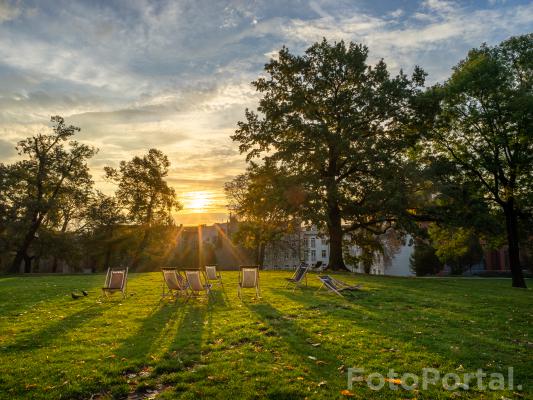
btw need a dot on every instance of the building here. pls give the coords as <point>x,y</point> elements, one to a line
<point>311,246</point>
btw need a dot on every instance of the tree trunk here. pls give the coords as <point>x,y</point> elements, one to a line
<point>336,261</point>
<point>511,224</point>
<point>54,264</point>
<point>24,246</point>
<point>27,264</point>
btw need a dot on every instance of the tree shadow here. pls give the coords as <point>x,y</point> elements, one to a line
<point>151,337</point>
<point>399,327</point>
<point>55,331</point>
<point>184,350</point>
<point>317,362</point>
<point>21,294</point>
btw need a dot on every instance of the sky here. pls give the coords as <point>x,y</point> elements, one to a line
<point>175,75</point>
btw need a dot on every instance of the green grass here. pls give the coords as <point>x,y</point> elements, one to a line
<point>288,345</point>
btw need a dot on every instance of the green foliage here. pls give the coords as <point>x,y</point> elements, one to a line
<point>457,247</point>
<point>142,189</point>
<point>145,195</point>
<point>46,187</point>
<point>424,261</point>
<point>265,200</point>
<point>484,129</point>
<point>339,127</point>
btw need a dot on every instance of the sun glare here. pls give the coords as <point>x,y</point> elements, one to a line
<point>197,202</point>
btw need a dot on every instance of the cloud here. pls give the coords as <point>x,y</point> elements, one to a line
<point>9,10</point>
<point>7,150</point>
<point>436,35</point>
<point>175,75</point>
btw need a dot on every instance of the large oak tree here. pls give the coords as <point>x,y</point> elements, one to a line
<point>339,126</point>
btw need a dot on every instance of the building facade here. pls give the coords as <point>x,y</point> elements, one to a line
<point>311,246</point>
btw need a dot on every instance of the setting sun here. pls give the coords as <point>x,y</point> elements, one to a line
<point>197,202</point>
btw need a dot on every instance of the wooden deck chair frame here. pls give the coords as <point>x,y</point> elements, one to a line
<point>244,285</point>
<point>296,280</point>
<point>212,274</point>
<point>171,288</point>
<point>110,285</point>
<point>197,288</point>
<point>335,285</point>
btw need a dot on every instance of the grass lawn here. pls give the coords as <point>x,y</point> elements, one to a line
<point>287,345</point>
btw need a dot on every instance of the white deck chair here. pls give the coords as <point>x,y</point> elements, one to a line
<point>249,279</point>
<point>174,284</point>
<point>213,275</point>
<point>196,286</point>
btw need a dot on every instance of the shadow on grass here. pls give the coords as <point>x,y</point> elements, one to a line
<point>315,362</point>
<point>167,341</point>
<point>54,331</point>
<point>21,294</point>
<point>438,335</point>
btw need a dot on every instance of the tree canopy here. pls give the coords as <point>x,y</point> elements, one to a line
<point>144,193</point>
<point>55,168</point>
<point>484,128</point>
<point>340,127</point>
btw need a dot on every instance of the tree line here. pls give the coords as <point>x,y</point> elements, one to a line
<point>359,152</point>
<point>50,209</point>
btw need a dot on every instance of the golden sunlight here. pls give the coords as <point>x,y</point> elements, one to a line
<point>197,202</point>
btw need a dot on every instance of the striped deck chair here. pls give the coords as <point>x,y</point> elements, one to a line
<point>299,275</point>
<point>116,280</point>
<point>174,284</point>
<point>249,279</point>
<point>213,275</point>
<point>197,288</point>
<point>335,286</point>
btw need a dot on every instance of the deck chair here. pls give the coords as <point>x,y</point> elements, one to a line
<point>299,275</point>
<point>196,286</point>
<point>213,275</point>
<point>335,285</point>
<point>116,280</point>
<point>249,279</point>
<point>174,284</point>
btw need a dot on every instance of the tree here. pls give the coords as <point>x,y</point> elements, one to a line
<point>485,128</point>
<point>264,199</point>
<point>144,193</point>
<point>459,248</point>
<point>39,183</point>
<point>340,126</point>
<point>103,217</point>
<point>423,260</point>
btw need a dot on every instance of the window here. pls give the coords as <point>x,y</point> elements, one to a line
<point>324,254</point>
<point>313,255</point>
<point>306,254</point>
<point>313,243</point>
<point>324,242</point>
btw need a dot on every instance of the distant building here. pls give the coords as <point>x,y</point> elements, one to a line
<point>312,246</point>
